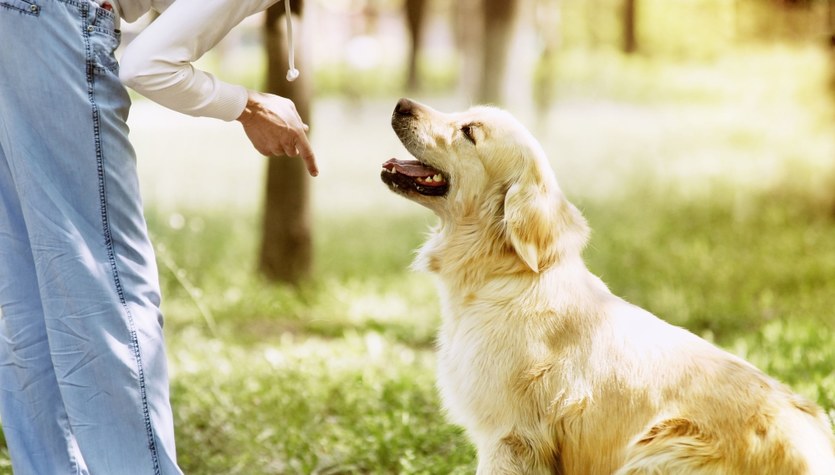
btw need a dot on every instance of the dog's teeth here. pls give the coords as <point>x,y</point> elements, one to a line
<point>437,178</point>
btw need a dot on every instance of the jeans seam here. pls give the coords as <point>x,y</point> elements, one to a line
<point>108,241</point>
<point>64,423</point>
<point>20,10</point>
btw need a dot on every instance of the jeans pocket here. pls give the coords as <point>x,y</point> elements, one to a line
<point>29,7</point>
<point>104,39</point>
<point>104,48</point>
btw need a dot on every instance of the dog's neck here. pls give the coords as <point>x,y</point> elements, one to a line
<point>478,242</point>
<point>468,256</point>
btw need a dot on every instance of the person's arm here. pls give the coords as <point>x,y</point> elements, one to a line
<point>158,62</point>
<point>158,65</point>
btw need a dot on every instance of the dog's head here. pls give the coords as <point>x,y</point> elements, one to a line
<point>484,168</point>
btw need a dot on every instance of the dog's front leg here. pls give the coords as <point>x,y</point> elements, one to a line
<point>512,455</point>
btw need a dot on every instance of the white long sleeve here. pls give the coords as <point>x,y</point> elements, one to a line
<point>131,10</point>
<point>158,63</point>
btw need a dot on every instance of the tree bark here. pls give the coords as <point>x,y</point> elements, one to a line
<point>630,32</point>
<point>548,21</point>
<point>468,28</point>
<point>415,19</point>
<point>499,24</point>
<point>287,243</point>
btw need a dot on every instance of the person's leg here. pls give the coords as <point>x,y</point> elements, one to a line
<point>31,409</point>
<point>63,112</point>
<point>32,412</point>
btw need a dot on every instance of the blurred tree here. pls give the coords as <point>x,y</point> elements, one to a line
<point>591,20</point>
<point>548,22</point>
<point>830,16</point>
<point>498,28</point>
<point>630,19</point>
<point>286,246</point>
<point>830,21</point>
<point>415,18</point>
<point>468,32</point>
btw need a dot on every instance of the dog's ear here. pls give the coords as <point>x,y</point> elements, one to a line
<point>529,223</point>
<point>541,225</point>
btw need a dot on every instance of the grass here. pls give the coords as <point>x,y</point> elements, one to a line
<point>337,377</point>
<point>711,206</point>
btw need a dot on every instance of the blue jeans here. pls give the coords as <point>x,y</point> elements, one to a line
<point>83,377</point>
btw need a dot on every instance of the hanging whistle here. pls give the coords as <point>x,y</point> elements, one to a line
<point>292,73</point>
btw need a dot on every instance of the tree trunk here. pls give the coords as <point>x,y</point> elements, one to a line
<point>415,18</point>
<point>287,244</point>
<point>548,21</point>
<point>499,24</point>
<point>830,15</point>
<point>468,38</point>
<point>630,19</point>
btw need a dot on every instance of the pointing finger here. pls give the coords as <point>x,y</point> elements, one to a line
<point>306,152</point>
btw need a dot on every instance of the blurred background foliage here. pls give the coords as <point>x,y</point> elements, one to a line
<point>361,46</point>
<point>702,151</point>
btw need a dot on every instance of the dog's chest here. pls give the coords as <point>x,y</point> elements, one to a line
<point>481,362</point>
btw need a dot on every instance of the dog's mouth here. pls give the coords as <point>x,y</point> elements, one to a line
<point>404,176</point>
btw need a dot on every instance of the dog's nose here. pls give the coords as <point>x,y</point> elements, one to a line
<point>404,107</point>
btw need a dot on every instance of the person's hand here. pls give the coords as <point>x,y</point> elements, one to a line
<point>274,127</point>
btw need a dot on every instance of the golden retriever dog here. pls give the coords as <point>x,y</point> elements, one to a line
<point>546,369</point>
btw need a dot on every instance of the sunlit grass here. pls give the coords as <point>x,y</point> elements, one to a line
<point>361,403</point>
<point>337,377</point>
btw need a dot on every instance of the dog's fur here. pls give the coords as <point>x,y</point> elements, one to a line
<point>546,369</point>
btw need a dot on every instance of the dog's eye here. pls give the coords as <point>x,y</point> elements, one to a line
<point>467,130</point>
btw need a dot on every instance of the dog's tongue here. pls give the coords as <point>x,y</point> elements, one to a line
<point>411,168</point>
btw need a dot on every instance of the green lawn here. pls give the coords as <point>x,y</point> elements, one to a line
<point>711,206</point>
<point>338,376</point>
